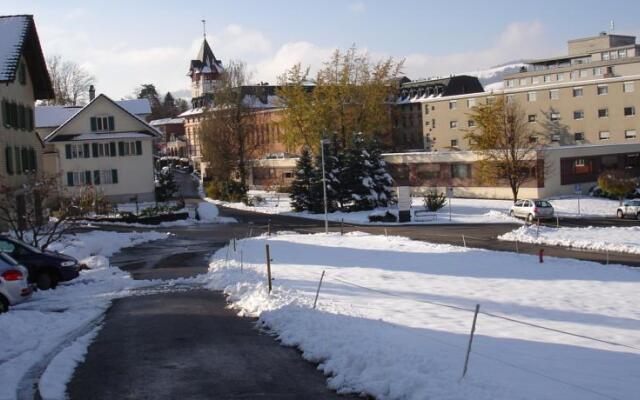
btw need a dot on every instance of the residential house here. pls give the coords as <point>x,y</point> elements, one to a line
<point>23,80</point>
<point>106,146</point>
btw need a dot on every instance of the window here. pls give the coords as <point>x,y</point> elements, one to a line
<point>547,78</point>
<point>524,81</point>
<point>533,139</point>
<point>604,135</point>
<point>22,74</point>
<point>531,118</point>
<point>77,151</point>
<point>630,134</point>
<point>453,124</point>
<point>471,123</point>
<point>579,114</point>
<point>133,148</point>
<point>454,142</point>
<point>535,80</point>
<point>103,150</point>
<point>511,98</point>
<point>471,103</point>
<point>584,73</point>
<point>426,109</point>
<point>555,116</point>
<point>559,77</point>
<point>605,56</point>
<point>102,124</point>
<point>574,75</point>
<point>602,90</point>
<point>581,166</point>
<point>628,87</point>
<point>461,171</point>
<point>603,112</point>
<point>629,111</point>
<point>554,94</point>
<point>577,92</point>
<point>511,83</point>
<point>578,136</point>
<point>532,96</point>
<point>555,138</point>
<point>453,104</point>
<point>8,156</point>
<point>622,53</point>
<point>597,71</point>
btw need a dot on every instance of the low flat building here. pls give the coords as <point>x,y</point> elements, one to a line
<point>106,147</point>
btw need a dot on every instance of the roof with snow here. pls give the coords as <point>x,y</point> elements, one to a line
<point>54,116</point>
<point>18,37</point>
<point>451,86</point>
<point>166,121</point>
<point>205,62</point>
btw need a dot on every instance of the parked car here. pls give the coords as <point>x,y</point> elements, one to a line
<point>46,268</point>
<point>596,191</point>
<point>532,209</point>
<point>14,287</point>
<point>629,208</point>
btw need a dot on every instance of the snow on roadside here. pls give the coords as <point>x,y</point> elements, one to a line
<point>33,330</point>
<point>615,239</point>
<point>400,346</point>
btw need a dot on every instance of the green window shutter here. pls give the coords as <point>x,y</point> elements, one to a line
<point>121,149</point>
<point>87,177</point>
<point>34,160</point>
<point>5,117</point>
<point>138,147</point>
<point>94,149</point>
<point>114,176</point>
<point>30,122</point>
<point>112,149</point>
<point>16,151</point>
<point>67,151</point>
<point>25,159</point>
<point>96,177</point>
<point>8,154</point>
<point>21,118</point>
<point>85,150</point>
<point>69,178</point>
<point>112,123</point>
<point>94,126</point>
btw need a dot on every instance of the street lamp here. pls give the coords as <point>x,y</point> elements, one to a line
<point>324,141</point>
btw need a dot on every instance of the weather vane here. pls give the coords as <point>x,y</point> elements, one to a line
<point>204,28</point>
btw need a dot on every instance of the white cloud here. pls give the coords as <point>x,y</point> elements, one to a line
<point>287,55</point>
<point>236,41</point>
<point>357,7</point>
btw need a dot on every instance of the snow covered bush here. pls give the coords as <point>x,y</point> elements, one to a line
<point>433,201</point>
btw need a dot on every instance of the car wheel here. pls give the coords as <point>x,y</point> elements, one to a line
<point>530,218</point>
<point>620,214</point>
<point>46,281</point>
<point>4,304</point>
<point>512,214</point>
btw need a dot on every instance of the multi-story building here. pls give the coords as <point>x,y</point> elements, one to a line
<point>23,80</point>
<point>173,142</point>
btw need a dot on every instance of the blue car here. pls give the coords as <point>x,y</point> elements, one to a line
<point>46,268</point>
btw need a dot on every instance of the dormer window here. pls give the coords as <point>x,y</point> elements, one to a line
<point>102,124</point>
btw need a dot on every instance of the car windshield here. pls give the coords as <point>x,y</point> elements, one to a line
<point>28,246</point>
<point>542,203</point>
<point>8,259</point>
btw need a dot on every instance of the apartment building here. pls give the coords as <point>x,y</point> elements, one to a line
<point>593,91</point>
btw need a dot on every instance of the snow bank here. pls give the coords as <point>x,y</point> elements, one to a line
<point>381,327</point>
<point>33,331</point>
<point>207,211</point>
<point>617,239</point>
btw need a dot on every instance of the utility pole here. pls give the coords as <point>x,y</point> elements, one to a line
<point>324,186</point>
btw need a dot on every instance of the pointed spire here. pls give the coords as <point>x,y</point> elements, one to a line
<point>204,29</point>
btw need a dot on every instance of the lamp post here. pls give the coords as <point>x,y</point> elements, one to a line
<point>324,186</point>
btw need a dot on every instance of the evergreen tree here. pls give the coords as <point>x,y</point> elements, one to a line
<point>165,184</point>
<point>301,185</point>
<point>382,181</point>
<point>356,176</point>
<point>332,181</point>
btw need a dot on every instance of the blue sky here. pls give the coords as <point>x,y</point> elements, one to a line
<point>126,43</point>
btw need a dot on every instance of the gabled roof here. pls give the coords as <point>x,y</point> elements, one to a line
<point>18,37</point>
<point>151,131</point>
<point>54,116</point>
<point>206,61</point>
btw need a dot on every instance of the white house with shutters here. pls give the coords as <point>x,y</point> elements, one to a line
<point>106,146</point>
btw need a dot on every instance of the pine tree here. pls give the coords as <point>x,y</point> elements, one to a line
<point>356,176</point>
<point>382,181</point>
<point>166,185</point>
<point>301,186</point>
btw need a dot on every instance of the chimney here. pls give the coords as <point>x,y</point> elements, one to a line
<point>92,93</point>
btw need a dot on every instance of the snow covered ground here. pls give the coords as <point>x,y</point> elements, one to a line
<point>394,317</point>
<point>462,210</point>
<point>615,239</point>
<point>32,332</point>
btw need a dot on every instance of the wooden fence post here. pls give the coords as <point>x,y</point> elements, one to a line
<point>315,301</point>
<point>268,267</point>
<point>464,242</point>
<point>473,330</point>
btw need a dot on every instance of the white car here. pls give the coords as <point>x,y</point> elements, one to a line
<point>532,209</point>
<point>630,208</point>
<point>14,287</point>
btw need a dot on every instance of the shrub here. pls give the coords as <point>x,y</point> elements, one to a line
<point>226,191</point>
<point>386,217</point>
<point>433,201</point>
<point>617,183</point>
<point>255,201</point>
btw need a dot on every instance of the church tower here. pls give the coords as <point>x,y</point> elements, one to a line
<point>204,71</point>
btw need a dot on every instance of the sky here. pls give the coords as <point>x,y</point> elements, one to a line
<point>127,43</point>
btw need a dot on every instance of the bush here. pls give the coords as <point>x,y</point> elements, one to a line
<point>386,217</point>
<point>226,191</point>
<point>255,201</point>
<point>433,201</point>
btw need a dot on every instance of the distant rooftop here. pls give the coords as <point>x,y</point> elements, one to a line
<point>54,116</point>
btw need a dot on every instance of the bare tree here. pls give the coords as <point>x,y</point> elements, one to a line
<point>70,81</point>
<point>22,210</point>
<point>510,149</point>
